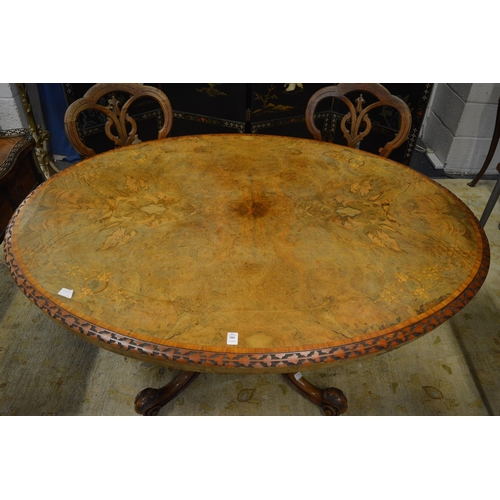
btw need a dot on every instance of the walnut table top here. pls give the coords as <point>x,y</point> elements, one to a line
<point>313,253</point>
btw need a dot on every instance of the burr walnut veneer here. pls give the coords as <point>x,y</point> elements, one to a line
<point>313,253</point>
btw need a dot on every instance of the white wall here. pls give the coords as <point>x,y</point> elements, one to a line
<point>12,114</point>
<point>459,125</point>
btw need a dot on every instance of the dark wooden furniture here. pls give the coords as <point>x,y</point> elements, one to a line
<point>115,103</point>
<point>356,124</point>
<point>19,172</point>
<point>314,253</point>
<point>270,108</point>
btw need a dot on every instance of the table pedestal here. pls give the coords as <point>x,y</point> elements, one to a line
<point>150,401</point>
<point>331,400</point>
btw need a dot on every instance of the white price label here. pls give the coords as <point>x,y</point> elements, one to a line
<point>232,338</point>
<point>66,293</point>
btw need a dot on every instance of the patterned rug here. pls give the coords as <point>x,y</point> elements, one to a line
<point>454,370</point>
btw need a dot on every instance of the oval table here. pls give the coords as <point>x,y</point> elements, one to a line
<point>312,253</point>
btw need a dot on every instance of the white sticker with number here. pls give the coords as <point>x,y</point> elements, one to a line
<point>232,338</point>
<point>66,293</point>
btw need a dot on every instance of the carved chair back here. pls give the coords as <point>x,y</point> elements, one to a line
<point>356,123</point>
<point>114,102</point>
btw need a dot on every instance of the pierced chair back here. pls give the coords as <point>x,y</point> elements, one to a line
<point>117,107</point>
<point>356,123</point>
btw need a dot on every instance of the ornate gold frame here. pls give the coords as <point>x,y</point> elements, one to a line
<point>41,136</point>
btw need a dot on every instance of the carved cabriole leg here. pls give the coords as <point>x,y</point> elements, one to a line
<point>150,401</point>
<point>332,401</point>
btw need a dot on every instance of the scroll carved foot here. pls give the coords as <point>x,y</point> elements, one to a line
<point>331,400</point>
<point>150,401</point>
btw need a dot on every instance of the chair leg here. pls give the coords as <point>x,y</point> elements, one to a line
<point>495,194</point>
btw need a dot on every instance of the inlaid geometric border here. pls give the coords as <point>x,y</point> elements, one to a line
<point>266,360</point>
